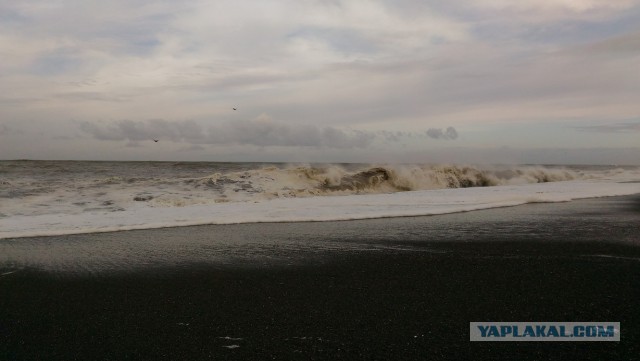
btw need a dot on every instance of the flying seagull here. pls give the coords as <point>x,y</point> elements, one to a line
<point>234,108</point>
<point>156,140</point>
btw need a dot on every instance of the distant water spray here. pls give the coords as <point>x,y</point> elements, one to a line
<point>29,188</point>
<point>301,181</point>
<point>55,197</point>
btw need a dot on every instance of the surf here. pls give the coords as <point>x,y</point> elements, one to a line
<point>55,198</point>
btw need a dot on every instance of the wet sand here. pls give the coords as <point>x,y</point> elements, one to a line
<point>379,289</point>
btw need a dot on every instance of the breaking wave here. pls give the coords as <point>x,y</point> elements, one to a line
<point>51,187</point>
<point>298,181</point>
<point>58,197</point>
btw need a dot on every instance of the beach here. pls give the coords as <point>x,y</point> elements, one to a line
<point>395,288</point>
<point>319,180</point>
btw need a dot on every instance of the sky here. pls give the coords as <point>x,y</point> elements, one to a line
<point>380,81</point>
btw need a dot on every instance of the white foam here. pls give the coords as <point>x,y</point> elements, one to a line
<point>328,208</point>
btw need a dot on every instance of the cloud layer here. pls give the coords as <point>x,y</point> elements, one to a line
<point>339,74</point>
<point>449,134</point>
<point>633,127</point>
<point>262,132</point>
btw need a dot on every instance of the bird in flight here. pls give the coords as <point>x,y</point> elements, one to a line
<point>234,108</point>
<point>156,140</point>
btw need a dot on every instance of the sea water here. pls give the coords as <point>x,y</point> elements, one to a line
<point>41,198</point>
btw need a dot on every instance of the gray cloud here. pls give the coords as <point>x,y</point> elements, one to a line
<point>389,136</point>
<point>133,144</point>
<point>463,63</point>
<point>193,148</point>
<point>621,44</point>
<point>4,129</point>
<point>262,132</point>
<point>265,132</point>
<point>186,131</point>
<point>611,128</point>
<point>449,134</point>
<point>89,96</point>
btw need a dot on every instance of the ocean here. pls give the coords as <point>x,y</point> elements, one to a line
<point>44,198</point>
<point>245,277</point>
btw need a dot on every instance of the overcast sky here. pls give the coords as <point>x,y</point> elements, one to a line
<point>536,81</point>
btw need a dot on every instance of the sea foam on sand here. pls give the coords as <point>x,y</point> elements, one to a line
<point>327,208</point>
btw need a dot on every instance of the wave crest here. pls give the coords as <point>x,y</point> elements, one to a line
<point>300,181</point>
<point>384,179</point>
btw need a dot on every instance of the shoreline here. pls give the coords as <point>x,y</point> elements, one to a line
<point>324,209</point>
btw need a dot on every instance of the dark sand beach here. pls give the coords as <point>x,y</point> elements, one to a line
<point>387,289</point>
